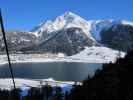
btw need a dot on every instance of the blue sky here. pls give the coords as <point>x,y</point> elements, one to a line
<point>25,14</point>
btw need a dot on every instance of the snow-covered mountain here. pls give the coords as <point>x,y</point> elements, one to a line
<point>65,21</point>
<point>115,34</point>
<point>70,34</point>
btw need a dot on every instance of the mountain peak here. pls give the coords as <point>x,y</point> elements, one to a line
<point>68,13</point>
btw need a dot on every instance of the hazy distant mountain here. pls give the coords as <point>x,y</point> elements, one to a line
<point>70,34</point>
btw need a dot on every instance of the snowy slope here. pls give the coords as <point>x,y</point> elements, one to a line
<point>98,55</point>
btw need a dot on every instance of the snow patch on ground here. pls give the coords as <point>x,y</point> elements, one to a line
<point>25,84</point>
